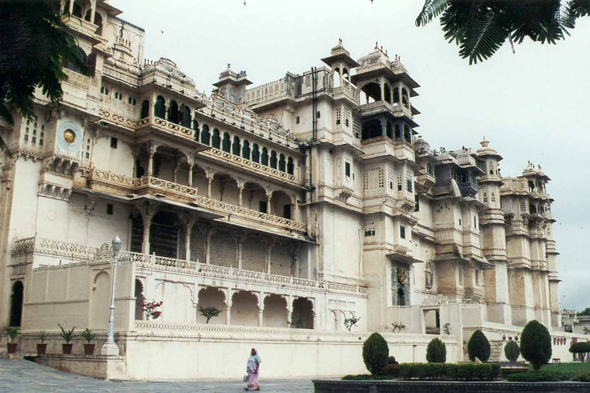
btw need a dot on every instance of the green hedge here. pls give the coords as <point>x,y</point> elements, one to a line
<point>580,347</point>
<point>540,376</point>
<point>449,371</point>
<point>366,377</point>
<point>581,376</point>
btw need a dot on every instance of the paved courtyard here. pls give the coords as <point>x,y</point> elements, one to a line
<point>24,376</point>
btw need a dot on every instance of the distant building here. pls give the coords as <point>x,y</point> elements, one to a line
<point>295,207</point>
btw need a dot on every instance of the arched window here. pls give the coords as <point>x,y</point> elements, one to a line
<point>226,143</point>
<point>264,157</point>
<point>387,93</point>
<point>408,133</point>
<point>336,75</point>
<point>290,166</point>
<point>16,304</point>
<point>236,148</point>
<point>216,141</point>
<point>405,98</point>
<point>104,90</point>
<point>195,125</point>
<point>372,129</point>
<point>246,150</point>
<point>396,95</point>
<point>255,153</point>
<point>70,66</point>
<point>98,22</point>
<point>388,129</point>
<point>282,163</point>
<point>88,15</point>
<point>273,159</point>
<point>160,107</point>
<point>205,136</point>
<point>186,116</point>
<point>77,11</point>
<point>131,101</point>
<point>174,114</point>
<point>145,109</point>
<point>398,131</point>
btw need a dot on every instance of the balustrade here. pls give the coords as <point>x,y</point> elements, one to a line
<point>190,193</point>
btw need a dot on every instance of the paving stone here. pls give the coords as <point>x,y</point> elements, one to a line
<point>21,376</point>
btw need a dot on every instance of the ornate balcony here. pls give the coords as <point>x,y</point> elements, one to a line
<point>149,126</point>
<point>78,254</point>
<point>124,185</point>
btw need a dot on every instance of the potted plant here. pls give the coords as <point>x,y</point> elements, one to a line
<point>41,347</point>
<point>67,335</point>
<point>88,336</point>
<point>13,332</point>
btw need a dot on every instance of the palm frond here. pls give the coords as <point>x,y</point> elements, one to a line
<point>431,9</point>
<point>484,36</point>
<point>574,10</point>
<point>454,22</point>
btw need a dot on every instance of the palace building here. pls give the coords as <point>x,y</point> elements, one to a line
<point>294,207</point>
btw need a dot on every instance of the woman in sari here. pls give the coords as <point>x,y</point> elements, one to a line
<point>252,370</point>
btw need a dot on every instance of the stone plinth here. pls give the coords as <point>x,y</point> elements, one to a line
<point>95,366</point>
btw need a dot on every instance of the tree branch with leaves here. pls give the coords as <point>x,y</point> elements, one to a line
<point>481,27</point>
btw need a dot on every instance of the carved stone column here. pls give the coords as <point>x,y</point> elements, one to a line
<point>210,176</point>
<point>208,237</point>
<point>261,297</point>
<point>289,299</point>
<point>151,153</point>
<point>228,303</point>
<point>241,239</point>
<point>190,174</point>
<point>147,211</point>
<point>189,220</point>
<point>268,201</point>
<point>175,171</point>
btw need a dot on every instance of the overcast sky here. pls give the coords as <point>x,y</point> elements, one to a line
<point>532,105</point>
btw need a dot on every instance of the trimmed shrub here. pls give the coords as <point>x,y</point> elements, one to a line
<point>535,344</point>
<point>581,348</point>
<point>539,376</point>
<point>436,351</point>
<point>392,360</point>
<point>512,351</point>
<point>581,376</point>
<point>365,377</point>
<point>391,370</point>
<point>479,347</point>
<point>375,353</point>
<point>443,371</point>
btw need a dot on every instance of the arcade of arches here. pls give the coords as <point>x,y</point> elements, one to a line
<point>244,308</point>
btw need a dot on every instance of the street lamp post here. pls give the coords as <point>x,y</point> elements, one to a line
<point>110,347</point>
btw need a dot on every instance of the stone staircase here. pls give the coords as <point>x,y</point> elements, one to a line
<point>496,347</point>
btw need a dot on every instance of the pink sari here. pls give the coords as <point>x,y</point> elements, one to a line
<point>253,383</point>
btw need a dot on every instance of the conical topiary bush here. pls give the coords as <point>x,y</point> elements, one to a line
<point>375,353</point>
<point>479,347</point>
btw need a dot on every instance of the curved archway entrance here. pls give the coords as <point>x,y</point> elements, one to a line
<point>16,304</point>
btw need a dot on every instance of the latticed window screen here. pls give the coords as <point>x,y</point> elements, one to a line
<point>181,243</point>
<point>281,260</point>
<point>374,178</point>
<point>197,245</point>
<point>254,255</point>
<point>223,250</point>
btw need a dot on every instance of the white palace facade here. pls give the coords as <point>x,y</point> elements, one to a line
<point>291,206</point>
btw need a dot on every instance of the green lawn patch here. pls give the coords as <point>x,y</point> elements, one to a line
<point>567,367</point>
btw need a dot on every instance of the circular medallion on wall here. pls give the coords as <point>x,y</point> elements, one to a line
<point>69,137</point>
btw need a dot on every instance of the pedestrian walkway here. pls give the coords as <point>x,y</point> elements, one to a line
<point>22,376</point>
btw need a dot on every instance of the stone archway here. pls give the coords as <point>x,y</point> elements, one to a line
<point>303,314</point>
<point>139,300</point>
<point>211,297</point>
<point>275,312</point>
<point>16,304</point>
<point>244,309</point>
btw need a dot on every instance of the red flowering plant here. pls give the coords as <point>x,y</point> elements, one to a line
<point>151,311</point>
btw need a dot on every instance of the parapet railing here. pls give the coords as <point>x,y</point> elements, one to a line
<point>191,194</point>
